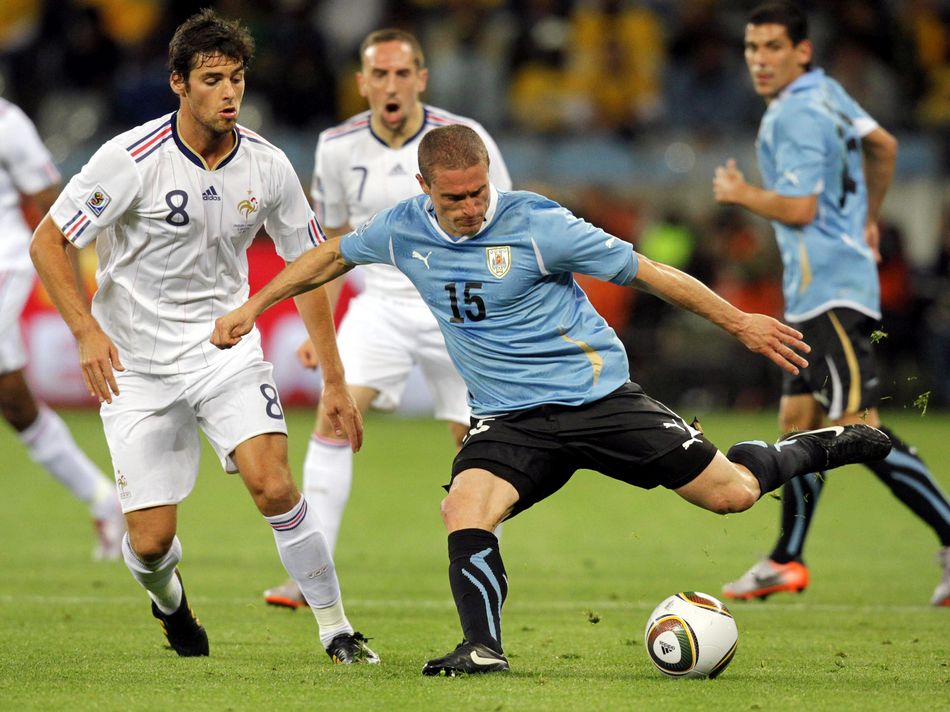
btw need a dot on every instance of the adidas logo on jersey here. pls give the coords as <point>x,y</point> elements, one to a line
<point>210,194</point>
<point>397,170</point>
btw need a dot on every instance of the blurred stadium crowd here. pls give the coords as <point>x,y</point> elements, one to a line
<point>619,110</point>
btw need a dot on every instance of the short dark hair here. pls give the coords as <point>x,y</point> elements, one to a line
<point>392,34</point>
<point>787,14</point>
<point>205,34</point>
<point>454,146</point>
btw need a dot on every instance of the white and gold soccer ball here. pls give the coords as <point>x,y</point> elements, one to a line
<point>691,634</point>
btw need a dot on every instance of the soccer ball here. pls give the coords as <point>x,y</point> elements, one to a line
<point>691,634</point>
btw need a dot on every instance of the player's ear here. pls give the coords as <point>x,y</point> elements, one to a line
<point>422,183</point>
<point>804,50</point>
<point>178,83</point>
<point>423,80</point>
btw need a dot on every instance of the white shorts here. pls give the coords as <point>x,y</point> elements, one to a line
<point>152,425</point>
<point>15,288</point>
<point>381,340</point>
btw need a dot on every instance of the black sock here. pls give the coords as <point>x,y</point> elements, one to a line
<point>479,585</point>
<point>911,482</point>
<point>774,465</point>
<point>799,499</point>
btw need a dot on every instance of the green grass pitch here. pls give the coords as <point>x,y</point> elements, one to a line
<point>585,569</point>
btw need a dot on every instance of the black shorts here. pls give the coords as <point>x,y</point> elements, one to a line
<point>626,435</point>
<point>842,374</point>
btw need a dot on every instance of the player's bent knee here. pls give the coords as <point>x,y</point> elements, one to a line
<point>720,495</point>
<point>151,546</point>
<point>448,510</point>
<point>737,499</point>
<point>20,416</point>
<point>17,404</point>
<point>456,514</point>
<point>725,504</point>
<point>459,512</point>
<point>734,496</point>
<point>274,495</point>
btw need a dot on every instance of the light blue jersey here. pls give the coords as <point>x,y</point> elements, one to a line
<point>519,329</point>
<point>809,143</point>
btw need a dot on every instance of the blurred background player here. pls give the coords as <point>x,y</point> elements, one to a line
<point>826,166</point>
<point>27,169</point>
<point>175,204</point>
<point>362,166</point>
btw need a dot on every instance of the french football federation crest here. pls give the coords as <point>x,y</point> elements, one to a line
<point>499,260</point>
<point>248,206</point>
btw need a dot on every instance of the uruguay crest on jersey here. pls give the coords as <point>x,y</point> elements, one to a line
<point>499,260</point>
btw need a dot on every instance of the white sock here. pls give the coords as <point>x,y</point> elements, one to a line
<point>332,621</point>
<point>304,553</point>
<point>51,445</point>
<point>327,479</point>
<point>157,578</point>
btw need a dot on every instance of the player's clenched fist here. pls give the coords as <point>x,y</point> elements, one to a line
<point>229,328</point>
<point>727,182</point>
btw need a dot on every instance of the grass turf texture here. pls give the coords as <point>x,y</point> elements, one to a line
<point>585,569</point>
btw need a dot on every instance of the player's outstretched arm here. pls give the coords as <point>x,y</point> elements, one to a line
<point>312,269</point>
<point>98,356</point>
<point>758,332</point>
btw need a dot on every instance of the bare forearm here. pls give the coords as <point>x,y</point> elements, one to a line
<point>312,269</point>
<point>72,255</point>
<point>314,308</point>
<point>686,292</point>
<point>762,334</point>
<point>880,156</point>
<point>335,287</point>
<point>55,261</point>
<point>772,206</point>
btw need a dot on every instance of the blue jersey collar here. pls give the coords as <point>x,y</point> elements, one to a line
<point>806,81</point>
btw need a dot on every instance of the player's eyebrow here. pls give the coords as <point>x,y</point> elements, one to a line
<point>771,44</point>
<point>459,196</point>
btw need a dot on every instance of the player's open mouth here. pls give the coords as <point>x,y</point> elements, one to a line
<point>228,113</point>
<point>391,107</point>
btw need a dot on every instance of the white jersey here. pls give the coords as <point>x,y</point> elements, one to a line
<point>173,236</point>
<point>25,167</point>
<point>356,175</point>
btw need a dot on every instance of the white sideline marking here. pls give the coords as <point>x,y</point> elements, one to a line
<point>409,603</point>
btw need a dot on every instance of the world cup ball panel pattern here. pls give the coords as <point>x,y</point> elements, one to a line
<point>704,601</point>
<point>672,645</point>
<point>691,634</point>
<point>724,663</point>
